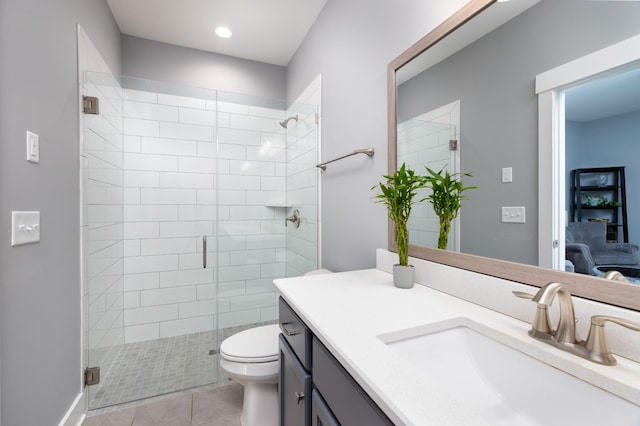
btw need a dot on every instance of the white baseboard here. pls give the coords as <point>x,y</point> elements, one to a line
<point>76,413</point>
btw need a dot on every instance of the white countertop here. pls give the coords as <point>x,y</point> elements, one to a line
<point>349,311</point>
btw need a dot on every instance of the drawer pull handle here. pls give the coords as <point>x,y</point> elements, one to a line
<point>299,397</point>
<point>285,331</point>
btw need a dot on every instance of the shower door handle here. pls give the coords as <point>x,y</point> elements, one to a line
<point>204,252</point>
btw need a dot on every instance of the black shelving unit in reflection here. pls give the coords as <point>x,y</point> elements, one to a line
<point>599,194</point>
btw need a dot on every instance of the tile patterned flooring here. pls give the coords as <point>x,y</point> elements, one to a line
<point>212,405</point>
<point>146,369</point>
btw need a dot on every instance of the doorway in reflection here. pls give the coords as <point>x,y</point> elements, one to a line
<point>602,130</point>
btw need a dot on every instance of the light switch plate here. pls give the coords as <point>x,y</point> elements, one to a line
<point>25,227</point>
<point>33,147</point>
<point>513,214</point>
<point>507,174</point>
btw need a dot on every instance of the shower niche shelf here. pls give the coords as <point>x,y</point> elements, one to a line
<point>282,204</point>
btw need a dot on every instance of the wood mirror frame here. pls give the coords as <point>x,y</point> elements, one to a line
<point>589,287</point>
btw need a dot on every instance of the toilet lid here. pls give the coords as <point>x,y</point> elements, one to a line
<point>259,344</point>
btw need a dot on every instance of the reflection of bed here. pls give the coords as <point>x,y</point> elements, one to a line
<point>587,248</point>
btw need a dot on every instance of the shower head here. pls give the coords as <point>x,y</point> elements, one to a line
<point>285,123</point>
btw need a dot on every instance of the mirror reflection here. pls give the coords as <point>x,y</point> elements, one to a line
<point>492,83</point>
<point>430,140</point>
<point>601,132</point>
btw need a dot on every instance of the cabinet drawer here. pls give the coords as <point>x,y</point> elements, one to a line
<point>294,388</point>
<point>296,333</point>
<point>349,403</point>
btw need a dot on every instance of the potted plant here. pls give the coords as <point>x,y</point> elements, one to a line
<point>398,195</point>
<point>446,195</point>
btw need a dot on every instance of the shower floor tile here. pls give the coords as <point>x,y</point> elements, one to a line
<point>156,367</point>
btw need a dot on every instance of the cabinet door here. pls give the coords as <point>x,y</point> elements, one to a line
<point>321,415</point>
<point>294,389</point>
<point>349,403</point>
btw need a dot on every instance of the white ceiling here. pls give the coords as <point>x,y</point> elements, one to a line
<point>605,97</point>
<point>267,31</point>
<point>271,31</point>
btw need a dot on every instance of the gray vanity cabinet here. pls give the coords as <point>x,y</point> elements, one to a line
<point>331,397</point>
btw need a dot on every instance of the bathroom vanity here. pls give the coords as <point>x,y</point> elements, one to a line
<point>354,345</point>
<point>318,392</point>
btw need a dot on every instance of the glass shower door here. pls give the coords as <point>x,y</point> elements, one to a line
<point>174,167</point>
<point>166,317</point>
<point>102,224</point>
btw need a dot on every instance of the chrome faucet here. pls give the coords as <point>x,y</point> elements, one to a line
<point>565,337</point>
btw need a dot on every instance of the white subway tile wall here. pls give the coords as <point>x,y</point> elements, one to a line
<point>302,177</point>
<point>181,183</point>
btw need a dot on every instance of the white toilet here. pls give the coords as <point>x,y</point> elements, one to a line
<point>251,359</point>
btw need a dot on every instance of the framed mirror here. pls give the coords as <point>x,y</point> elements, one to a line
<point>480,46</point>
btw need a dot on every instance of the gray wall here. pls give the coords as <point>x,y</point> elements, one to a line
<point>494,79</point>
<point>351,44</point>
<point>40,283</point>
<point>183,66</point>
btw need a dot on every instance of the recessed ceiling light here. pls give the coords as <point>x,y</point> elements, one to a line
<point>223,32</point>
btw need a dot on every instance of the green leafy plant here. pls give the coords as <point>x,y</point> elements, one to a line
<point>446,196</point>
<point>585,200</point>
<point>398,195</point>
<point>611,203</point>
<point>597,201</point>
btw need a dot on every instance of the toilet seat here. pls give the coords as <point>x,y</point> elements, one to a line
<point>259,344</point>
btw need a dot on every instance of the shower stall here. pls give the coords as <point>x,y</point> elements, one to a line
<point>185,192</point>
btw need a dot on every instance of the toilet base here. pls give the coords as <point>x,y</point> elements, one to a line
<point>260,406</point>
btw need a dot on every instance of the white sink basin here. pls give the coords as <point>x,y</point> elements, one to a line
<point>500,385</point>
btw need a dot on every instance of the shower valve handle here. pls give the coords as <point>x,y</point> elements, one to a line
<point>295,218</point>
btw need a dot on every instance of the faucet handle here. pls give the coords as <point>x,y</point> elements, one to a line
<point>541,326</point>
<point>596,342</point>
<point>522,294</point>
<point>295,218</point>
